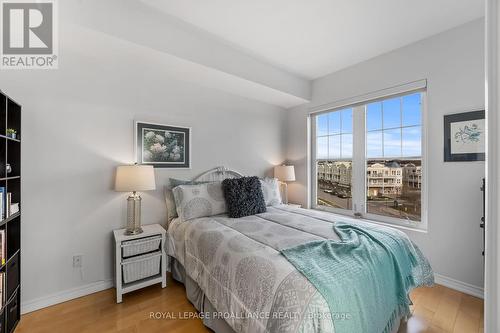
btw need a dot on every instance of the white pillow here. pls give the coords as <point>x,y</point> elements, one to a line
<point>169,196</point>
<point>200,200</point>
<point>271,191</point>
<point>169,200</point>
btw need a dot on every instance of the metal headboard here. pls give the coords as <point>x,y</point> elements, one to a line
<point>218,174</point>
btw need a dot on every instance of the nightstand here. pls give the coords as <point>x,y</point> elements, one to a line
<point>294,205</point>
<point>140,260</point>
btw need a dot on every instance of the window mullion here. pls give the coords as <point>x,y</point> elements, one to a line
<point>313,166</point>
<point>358,157</point>
<point>401,127</point>
<point>383,129</point>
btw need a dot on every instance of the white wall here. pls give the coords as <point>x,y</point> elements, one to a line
<point>453,64</point>
<point>78,126</point>
<point>492,269</point>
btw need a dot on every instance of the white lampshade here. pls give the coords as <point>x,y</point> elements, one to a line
<point>132,178</point>
<point>285,173</point>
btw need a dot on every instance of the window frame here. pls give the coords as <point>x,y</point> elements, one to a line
<point>359,163</point>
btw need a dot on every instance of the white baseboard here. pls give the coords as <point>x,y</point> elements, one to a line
<point>94,287</point>
<point>459,285</point>
<point>65,295</point>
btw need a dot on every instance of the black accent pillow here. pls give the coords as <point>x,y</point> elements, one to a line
<point>243,196</point>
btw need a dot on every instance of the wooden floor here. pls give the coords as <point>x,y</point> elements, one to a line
<point>436,309</point>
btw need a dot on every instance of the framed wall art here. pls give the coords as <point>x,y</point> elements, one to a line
<point>163,146</point>
<point>464,137</point>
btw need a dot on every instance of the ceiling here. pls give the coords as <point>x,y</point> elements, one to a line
<point>312,38</point>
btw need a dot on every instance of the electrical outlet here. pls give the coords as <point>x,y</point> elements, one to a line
<point>78,260</point>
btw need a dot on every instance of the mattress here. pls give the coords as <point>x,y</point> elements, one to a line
<point>237,266</point>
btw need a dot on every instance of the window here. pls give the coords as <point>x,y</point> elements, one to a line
<point>393,145</point>
<point>334,158</point>
<point>387,136</point>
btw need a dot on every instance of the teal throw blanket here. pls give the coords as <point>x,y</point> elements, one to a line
<point>365,277</point>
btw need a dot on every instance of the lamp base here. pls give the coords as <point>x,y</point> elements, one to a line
<point>284,197</point>
<point>133,214</point>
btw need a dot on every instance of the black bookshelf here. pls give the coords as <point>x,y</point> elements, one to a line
<point>10,180</point>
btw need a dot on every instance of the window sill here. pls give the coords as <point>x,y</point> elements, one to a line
<point>395,225</point>
<point>400,226</point>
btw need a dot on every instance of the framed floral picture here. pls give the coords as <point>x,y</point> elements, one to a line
<point>464,137</point>
<point>163,146</point>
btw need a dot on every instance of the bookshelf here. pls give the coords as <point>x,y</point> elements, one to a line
<point>10,223</point>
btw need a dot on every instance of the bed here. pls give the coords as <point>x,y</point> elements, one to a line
<point>236,276</point>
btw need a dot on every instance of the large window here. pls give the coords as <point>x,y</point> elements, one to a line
<point>382,178</point>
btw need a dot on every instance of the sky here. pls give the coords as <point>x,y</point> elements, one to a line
<point>393,130</point>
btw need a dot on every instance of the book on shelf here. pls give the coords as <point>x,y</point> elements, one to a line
<point>3,247</point>
<point>2,285</point>
<point>8,201</point>
<point>2,206</point>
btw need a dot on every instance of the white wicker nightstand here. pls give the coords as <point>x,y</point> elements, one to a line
<point>137,258</point>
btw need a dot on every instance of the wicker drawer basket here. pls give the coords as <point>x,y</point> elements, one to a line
<point>141,267</point>
<point>140,246</point>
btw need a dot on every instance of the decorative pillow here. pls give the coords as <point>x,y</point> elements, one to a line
<point>271,191</point>
<point>243,196</point>
<point>200,200</point>
<point>169,196</point>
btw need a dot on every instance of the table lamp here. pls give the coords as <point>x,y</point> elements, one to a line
<point>285,173</point>
<point>134,178</point>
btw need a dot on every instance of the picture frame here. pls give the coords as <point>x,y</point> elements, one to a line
<point>464,137</point>
<point>162,146</point>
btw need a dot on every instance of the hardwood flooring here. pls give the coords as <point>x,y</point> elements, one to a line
<point>436,309</point>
